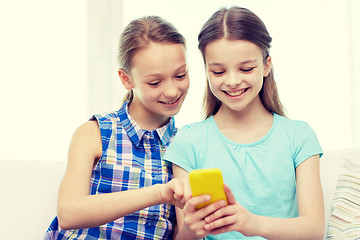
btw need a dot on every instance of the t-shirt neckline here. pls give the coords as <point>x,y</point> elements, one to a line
<point>261,140</point>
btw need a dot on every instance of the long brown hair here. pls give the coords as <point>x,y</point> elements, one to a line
<point>238,23</point>
<point>138,34</point>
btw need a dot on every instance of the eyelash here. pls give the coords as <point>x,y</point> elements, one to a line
<point>181,76</point>
<point>247,70</point>
<point>154,83</point>
<point>218,73</point>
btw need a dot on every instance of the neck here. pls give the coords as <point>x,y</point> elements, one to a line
<point>246,126</point>
<point>145,119</point>
<point>252,115</point>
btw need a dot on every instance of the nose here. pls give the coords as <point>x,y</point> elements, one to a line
<point>171,89</point>
<point>232,80</point>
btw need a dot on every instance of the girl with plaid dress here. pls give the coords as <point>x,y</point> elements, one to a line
<point>116,185</point>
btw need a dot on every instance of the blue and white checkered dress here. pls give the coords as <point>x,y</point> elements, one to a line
<point>131,159</point>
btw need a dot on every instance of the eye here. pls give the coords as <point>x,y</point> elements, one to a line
<point>247,69</point>
<point>181,76</point>
<point>218,73</point>
<point>155,83</point>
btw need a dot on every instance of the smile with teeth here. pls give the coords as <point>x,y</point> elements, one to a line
<point>236,93</point>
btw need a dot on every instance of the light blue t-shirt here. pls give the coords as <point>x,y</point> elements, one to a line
<point>261,174</point>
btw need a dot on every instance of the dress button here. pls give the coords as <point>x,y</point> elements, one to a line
<point>153,174</point>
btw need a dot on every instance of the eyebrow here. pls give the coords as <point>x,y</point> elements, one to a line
<point>242,63</point>
<point>159,74</point>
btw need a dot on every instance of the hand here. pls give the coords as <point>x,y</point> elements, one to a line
<point>233,217</point>
<point>176,192</point>
<point>194,219</point>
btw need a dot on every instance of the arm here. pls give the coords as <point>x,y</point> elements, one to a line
<point>309,224</point>
<point>78,209</point>
<point>190,222</point>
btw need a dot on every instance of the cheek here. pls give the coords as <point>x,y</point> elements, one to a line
<point>213,86</point>
<point>256,78</point>
<point>182,85</point>
<point>185,84</point>
<point>214,82</point>
<point>145,94</point>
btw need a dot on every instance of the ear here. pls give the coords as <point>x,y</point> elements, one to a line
<point>125,79</point>
<point>268,66</point>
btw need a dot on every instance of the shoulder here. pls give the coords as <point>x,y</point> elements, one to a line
<point>87,136</point>
<point>291,124</point>
<point>302,138</point>
<point>194,129</point>
<point>105,117</point>
<point>197,126</point>
<point>88,128</point>
<point>107,122</point>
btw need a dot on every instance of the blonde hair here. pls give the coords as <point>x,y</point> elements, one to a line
<point>138,34</point>
<point>238,23</point>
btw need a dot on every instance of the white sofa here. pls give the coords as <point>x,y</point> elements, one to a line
<point>29,191</point>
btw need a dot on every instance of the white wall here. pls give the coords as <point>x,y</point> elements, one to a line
<point>58,65</point>
<point>354,50</point>
<point>105,22</point>
<point>43,77</point>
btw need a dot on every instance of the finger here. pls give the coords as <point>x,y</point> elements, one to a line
<point>213,208</point>
<point>219,223</point>
<point>178,189</point>
<point>194,201</point>
<point>227,210</point>
<point>187,188</point>
<point>229,195</point>
<point>178,193</point>
<point>221,230</point>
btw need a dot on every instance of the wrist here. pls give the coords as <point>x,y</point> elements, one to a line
<point>260,226</point>
<point>157,191</point>
<point>185,235</point>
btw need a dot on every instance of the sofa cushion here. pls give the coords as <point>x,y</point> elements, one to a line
<point>344,222</point>
<point>28,197</point>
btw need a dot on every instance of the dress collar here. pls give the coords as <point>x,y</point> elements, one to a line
<point>135,133</point>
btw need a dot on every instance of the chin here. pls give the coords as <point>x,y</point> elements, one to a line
<point>171,113</point>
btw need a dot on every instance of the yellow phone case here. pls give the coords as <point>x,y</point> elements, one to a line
<point>207,181</point>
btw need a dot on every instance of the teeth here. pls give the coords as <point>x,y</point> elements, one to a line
<point>236,93</point>
<point>171,102</point>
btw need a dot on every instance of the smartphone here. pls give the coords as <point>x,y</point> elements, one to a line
<point>207,181</point>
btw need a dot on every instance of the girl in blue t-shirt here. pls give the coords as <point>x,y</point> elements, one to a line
<point>270,162</point>
<point>116,185</point>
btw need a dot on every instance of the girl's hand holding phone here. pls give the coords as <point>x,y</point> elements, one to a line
<point>194,219</point>
<point>208,196</point>
<point>233,217</point>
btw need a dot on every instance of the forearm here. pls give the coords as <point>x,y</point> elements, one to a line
<point>290,228</point>
<point>95,210</point>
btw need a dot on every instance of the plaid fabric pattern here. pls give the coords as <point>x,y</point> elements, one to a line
<point>131,159</point>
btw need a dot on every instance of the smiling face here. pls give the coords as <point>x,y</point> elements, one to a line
<point>159,80</point>
<point>235,70</point>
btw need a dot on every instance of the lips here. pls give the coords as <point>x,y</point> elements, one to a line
<point>236,93</point>
<point>171,102</point>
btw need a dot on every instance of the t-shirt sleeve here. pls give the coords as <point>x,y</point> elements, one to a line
<point>305,142</point>
<point>181,150</point>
